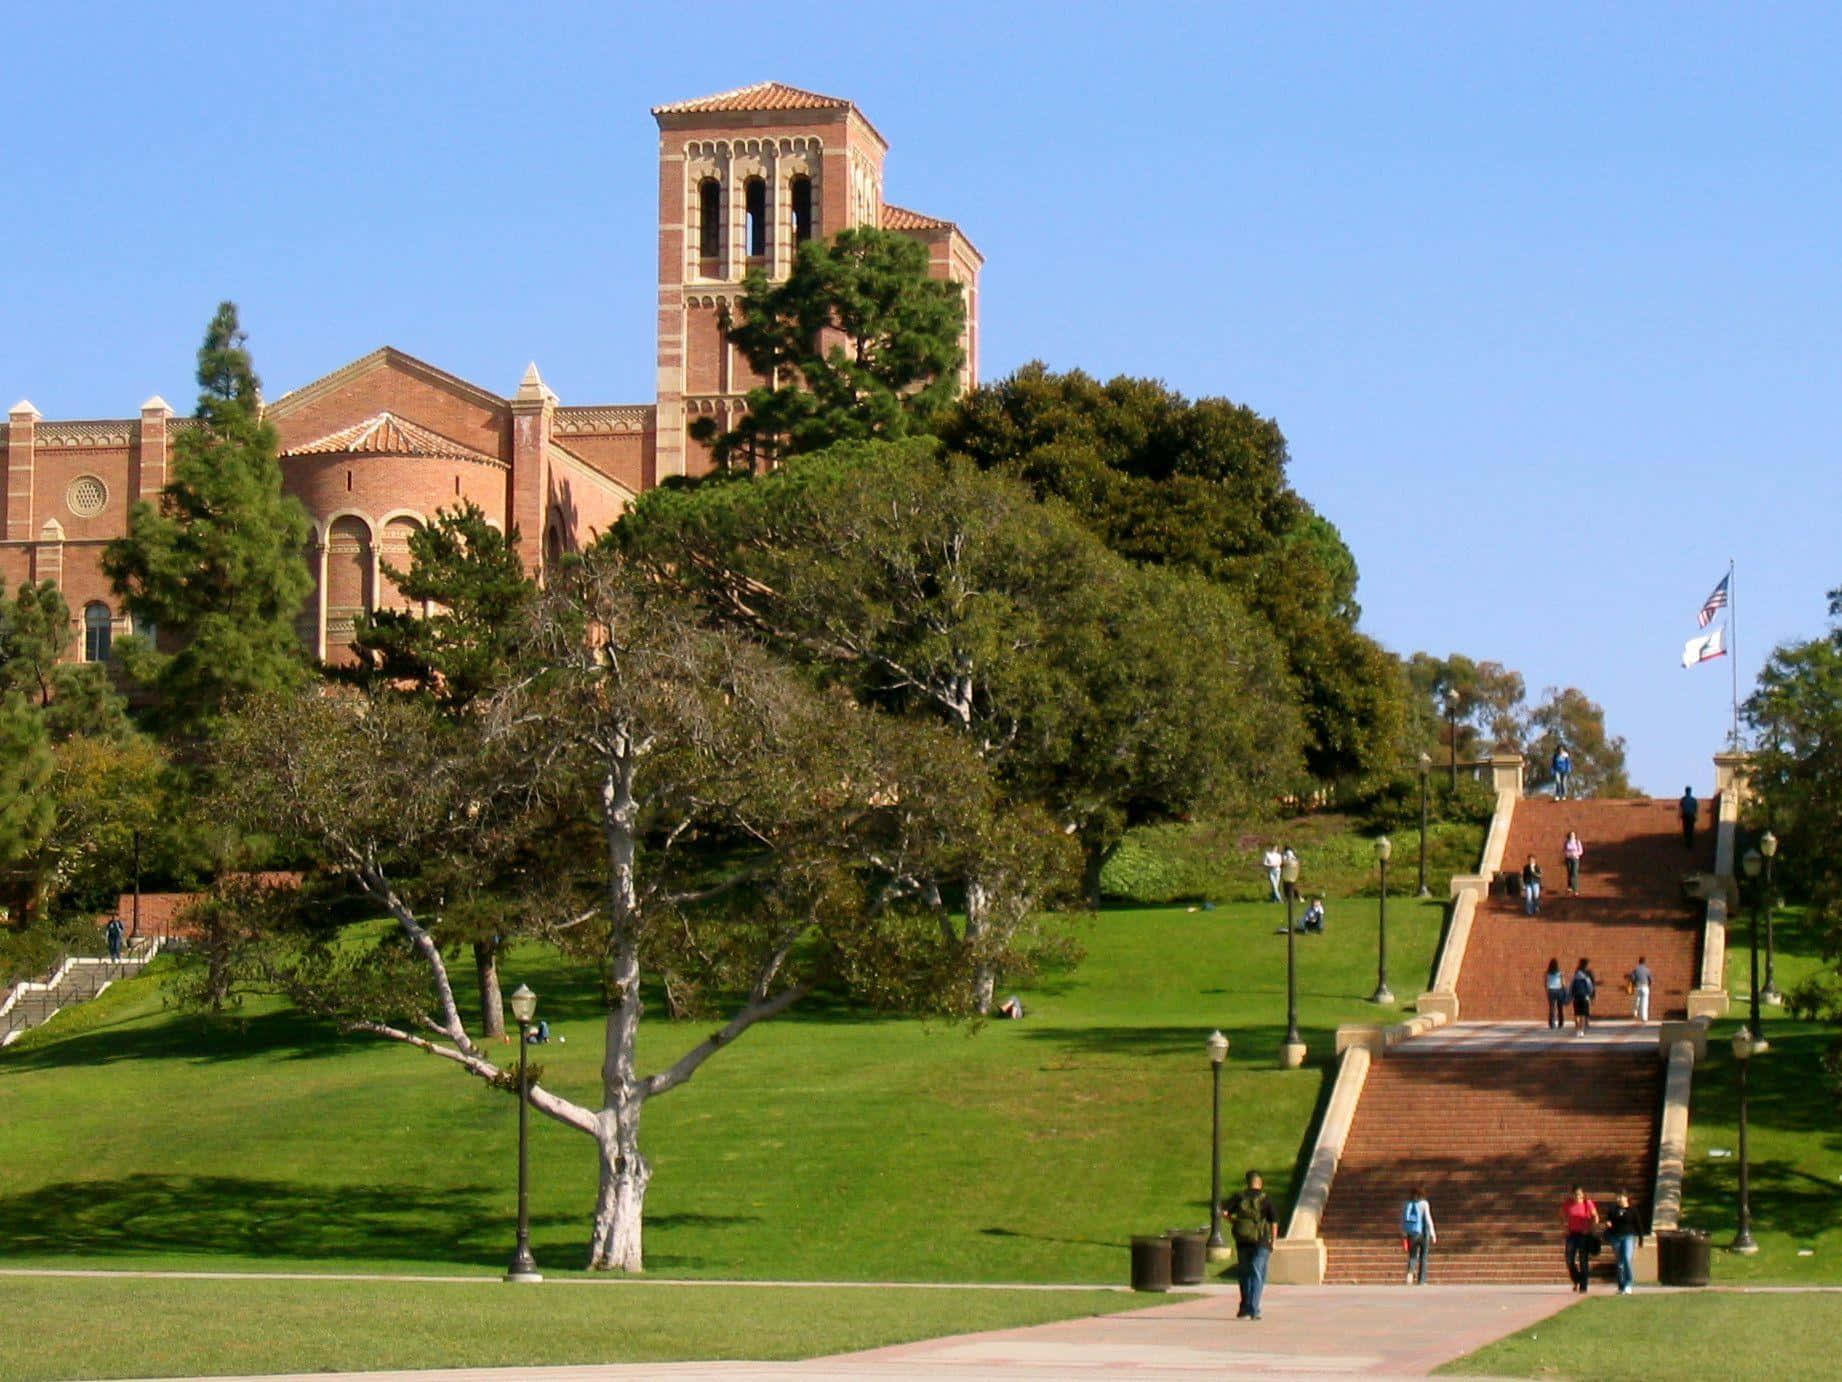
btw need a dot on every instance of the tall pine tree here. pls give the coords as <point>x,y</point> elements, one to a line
<point>219,565</point>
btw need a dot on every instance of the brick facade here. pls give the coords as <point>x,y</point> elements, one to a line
<point>375,449</point>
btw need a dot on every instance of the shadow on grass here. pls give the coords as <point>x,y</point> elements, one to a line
<point>241,1216</point>
<point>1252,1046</point>
<point>186,1036</point>
<point>997,1232</point>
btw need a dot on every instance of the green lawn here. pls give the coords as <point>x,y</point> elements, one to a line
<point>1737,1337</point>
<point>1795,1134</point>
<point>824,1146</point>
<point>77,1328</point>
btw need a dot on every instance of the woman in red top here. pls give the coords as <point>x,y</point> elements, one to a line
<point>1583,1221</point>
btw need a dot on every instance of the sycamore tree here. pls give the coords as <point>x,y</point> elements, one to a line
<point>661,799</point>
<point>218,564</point>
<point>1099,695</point>
<point>857,342</point>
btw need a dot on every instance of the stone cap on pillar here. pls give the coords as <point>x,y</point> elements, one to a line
<point>532,389</point>
<point>1733,772</point>
<point>23,411</point>
<point>1505,772</point>
<point>156,406</point>
<point>53,531</point>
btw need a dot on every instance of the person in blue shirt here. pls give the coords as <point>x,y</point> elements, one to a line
<point>1563,771</point>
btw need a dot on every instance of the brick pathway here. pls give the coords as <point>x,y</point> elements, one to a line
<point>1308,1332</point>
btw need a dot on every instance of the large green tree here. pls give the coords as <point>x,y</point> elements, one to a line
<point>1201,485</point>
<point>858,342</point>
<point>218,565</point>
<point>1100,693</point>
<point>1569,716</point>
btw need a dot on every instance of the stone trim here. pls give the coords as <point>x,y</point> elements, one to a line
<point>1672,1134</point>
<point>1468,890</point>
<point>1299,1257</point>
<point>1710,998</point>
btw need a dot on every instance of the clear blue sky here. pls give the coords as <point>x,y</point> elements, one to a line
<point>1547,298</point>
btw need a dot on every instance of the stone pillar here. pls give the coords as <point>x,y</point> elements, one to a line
<point>533,416</point>
<point>668,414</point>
<point>1506,772</point>
<point>21,443</point>
<point>149,475</point>
<point>48,554</point>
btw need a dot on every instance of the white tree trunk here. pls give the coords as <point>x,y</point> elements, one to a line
<point>492,1006</point>
<point>978,922</point>
<point>620,1205</point>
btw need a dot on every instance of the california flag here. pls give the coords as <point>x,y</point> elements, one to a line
<point>1705,648</point>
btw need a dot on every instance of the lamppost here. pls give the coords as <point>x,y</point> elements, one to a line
<point>1383,848</point>
<point>1451,725</point>
<point>1768,846</point>
<point>1426,762</point>
<point>1752,864</point>
<point>1744,1049</point>
<point>524,1008</point>
<point>1292,1054</point>
<point>1218,1052</point>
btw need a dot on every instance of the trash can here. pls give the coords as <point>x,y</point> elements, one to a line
<point>1189,1256</point>
<point>1683,1257</point>
<point>1151,1264</point>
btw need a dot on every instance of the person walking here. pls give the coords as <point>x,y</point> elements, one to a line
<point>1688,808</point>
<point>1252,1221</point>
<point>1531,887</point>
<point>1418,1233</point>
<point>1562,766</point>
<point>114,933</point>
<point>1272,861</point>
<point>1640,979</point>
<point>1556,984</point>
<point>1581,989</point>
<point>1624,1229</point>
<point>1573,851</point>
<point>1286,856</point>
<point>1582,1218</point>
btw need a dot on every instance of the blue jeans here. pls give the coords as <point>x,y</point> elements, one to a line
<point>1560,785</point>
<point>1626,1247</point>
<point>1418,1245</point>
<point>1531,898</point>
<point>1252,1258</point>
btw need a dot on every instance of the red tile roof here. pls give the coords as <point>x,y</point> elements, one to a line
<point>901,218</point>
<point>759,96</point>
<point>388,435</point>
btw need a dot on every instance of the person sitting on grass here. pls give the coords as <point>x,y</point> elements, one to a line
<point>1011,1008</point>
<point>1313,920</point>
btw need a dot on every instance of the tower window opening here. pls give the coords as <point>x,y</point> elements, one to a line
<point>801,190</point>
<point>348,482</point>
<point>709,219</point>
<point>755,191</point>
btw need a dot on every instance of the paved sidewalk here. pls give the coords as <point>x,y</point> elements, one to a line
<point>1308,1332</point>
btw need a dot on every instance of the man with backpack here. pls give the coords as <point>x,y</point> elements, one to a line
<point>1417,1235</point>
<point>1253,1222</point>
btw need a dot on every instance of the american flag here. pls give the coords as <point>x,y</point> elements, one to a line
<point>1714,603</point>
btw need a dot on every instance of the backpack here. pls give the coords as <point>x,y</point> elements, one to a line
<point>1411,1225</point>
<point>1244,1218</point>
<point>1582,985</point>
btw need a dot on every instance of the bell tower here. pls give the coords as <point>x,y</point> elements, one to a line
<point>745,177</point>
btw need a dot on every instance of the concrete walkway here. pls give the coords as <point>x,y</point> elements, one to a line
<point>1308,1332</point>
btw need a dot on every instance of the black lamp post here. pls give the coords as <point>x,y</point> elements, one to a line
<point>1768,846</point>
<point>524,1008</point>
<point>1426,762</point>
<point>1744,1049</point>
<point>1218,1052</point>
<point>1293,1052</point>
<point>1383,848</point>
<point>1451,723</point>
<point>1752,864</point>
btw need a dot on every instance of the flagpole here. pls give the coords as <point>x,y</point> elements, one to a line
<point>1733,659</point>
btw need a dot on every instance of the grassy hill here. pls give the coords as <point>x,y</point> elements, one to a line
<point>824,1146</point>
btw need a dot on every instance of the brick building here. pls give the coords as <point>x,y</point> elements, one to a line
<point>377,447</point>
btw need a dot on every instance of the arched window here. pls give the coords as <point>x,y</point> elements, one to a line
<point>709,219</point>
<point>755,198</point>
<point>98,632</point>
<point>801,190</point>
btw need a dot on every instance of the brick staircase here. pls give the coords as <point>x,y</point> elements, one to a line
<point>1630,904</point>
<point>1496,1137</point>
<point>1496,1117</point>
